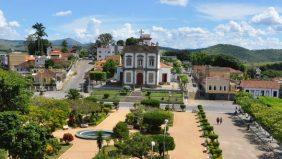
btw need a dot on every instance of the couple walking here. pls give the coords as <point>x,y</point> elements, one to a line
<point>219,120</point>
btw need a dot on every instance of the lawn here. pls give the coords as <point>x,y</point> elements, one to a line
<point>166,97</point>
<point>63,149</point>
<point>275,103</point>
<point>113,95</point>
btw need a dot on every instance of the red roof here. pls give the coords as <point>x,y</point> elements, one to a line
<point>163,65</point>
<point>260,84</point>
<point>46,73</point>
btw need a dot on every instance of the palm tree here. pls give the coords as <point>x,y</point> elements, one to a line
<point>39,33</point>
<point>99,139</point>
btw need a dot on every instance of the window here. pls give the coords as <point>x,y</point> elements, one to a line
<point>109,52</point>
<point>247,91</point>
<point>210,87</point>
<point>151,78</point>
<point>140,60</point>
<point>262,93</point>
<point>224,88</point>
<point>220,88</point>
<point>267,93</point>
<point>214,87</point>
<point>151,61</point>
<point>128,60</point>
<point>128,77</point>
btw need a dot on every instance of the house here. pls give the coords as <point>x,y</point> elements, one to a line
<point>99,64</point>
<point>261,88</point>
<point>16,58</point>
<point>40,61</point>
<point>105,51</point>
<point>216,82</point>
<point>51,80</point>
<point>141,65</point>
<point>25,67</point>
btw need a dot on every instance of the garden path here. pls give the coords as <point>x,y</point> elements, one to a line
<point>87,149</point>
<point>186,135</point>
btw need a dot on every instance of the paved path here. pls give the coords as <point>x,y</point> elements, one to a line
<point>87,149</point>
<point>236,142</point>
<point>187,137</point>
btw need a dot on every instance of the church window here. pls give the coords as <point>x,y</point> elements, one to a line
<point>128,60</point>
<point>151,60</point>
<point>140,60</point>
<point>128,77</point>
<point>151,78</point>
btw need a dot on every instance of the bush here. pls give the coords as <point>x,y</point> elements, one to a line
<point>148,93</point>
<point>159,139</point>
<point>121,130</point>
<point>106,96</point>
<point>154,119</point>
<point>92,99</point>
<point>3,154</point>
<point>151,103</point>
<point>108,106</point>
<point>106,110</point>
<point>183,107</point>
<point>68,137</point>
<point>53,146</point>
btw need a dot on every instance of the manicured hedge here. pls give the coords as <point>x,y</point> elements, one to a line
<point>151,103</point>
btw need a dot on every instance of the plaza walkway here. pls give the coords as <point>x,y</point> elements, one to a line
<point>187,137</point>
<point>87,149</point>
<point>234,140</point>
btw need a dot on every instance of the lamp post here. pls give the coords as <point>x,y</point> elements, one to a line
<point>165,124</point>
<point>152,144</point>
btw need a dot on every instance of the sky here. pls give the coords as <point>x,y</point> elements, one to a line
<point>253,24</point>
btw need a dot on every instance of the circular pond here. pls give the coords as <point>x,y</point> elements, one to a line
<point>92,134</point>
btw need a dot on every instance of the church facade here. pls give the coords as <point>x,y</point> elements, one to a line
<point>142,66</point>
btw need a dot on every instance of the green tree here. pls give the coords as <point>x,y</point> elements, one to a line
<point>14,91</point>
<point>49,63</point>
<point>105,39</point>
<point>131,41</point>
<point>98,76</point>
<point>39,33</point>
<point>169,143</point>
<point>64,46</point>
<point>100,139</point>
<point>73,94</point>
<point>154,119</point>
<point>110,67</point>
<point>120,43</point>
<point>121,130</point>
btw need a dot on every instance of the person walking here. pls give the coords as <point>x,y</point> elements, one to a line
<point>220,120</point>
<point>217,120</point>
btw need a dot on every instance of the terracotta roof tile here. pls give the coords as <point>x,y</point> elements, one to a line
<point>163,65</point>
<point>260,84</point>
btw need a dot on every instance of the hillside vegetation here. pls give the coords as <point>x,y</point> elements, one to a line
<point>246,55</point>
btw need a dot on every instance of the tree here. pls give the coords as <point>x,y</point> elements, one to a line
<point>49,63</point>
<point>98,76</point>
<point>73,94</point>
<point>121,130</point>
<point>105,39</point>
<point>110,67</point>
<point>169,143</point>
<point>131,41</point>
<point>30,141</point>
<point>154,119</point>
<point>120,43</point>
<point>64,46</point>
<point>100,139</point>
<point>39,33</point>
<point>14,91</point>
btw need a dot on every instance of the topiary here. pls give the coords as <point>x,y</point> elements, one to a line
<point>68,137</point>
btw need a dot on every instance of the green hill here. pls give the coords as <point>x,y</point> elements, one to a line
<point>246,55</point>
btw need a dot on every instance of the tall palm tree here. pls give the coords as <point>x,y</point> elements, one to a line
<point>39,33</point>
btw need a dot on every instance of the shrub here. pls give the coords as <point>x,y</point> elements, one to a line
<point>108,106</point>
<point>68,137</point>
<point>116,104</point>
<point>53,146</point>
<point>3,154</point>
<point>159,139</point>
<point>213,137</point>
<point>106,110</point>
<point>106,96</point>
<point>154,119</point>
<point>92,99</point>
<point>148,93</point>
<point>183,107</point>
<point>151,103</point>
<point>121,130</point>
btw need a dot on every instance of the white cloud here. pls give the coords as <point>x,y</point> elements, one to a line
<point>63,13</point>
<point>175,2</point>
<point>268,17</point>
<point>124,32</point>
<point>7,29</point>
<point>228,11</point>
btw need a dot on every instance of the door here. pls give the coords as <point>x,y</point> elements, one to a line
<point>139,78</point>
<point>121,76</point>
<point>164,78</point>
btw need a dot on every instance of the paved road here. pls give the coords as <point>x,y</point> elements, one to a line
<point>74,81</point>
<point>82,67</point>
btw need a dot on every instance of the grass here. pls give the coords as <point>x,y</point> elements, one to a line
<point>164,97</point>
<point>63,149</point>
<point>114,95</point>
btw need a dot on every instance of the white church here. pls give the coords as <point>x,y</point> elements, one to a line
<point>142,65</point>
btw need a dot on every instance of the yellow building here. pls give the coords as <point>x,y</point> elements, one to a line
<point>16,58</point>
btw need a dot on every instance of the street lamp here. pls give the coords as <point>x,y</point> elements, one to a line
<point>153,144</point>
<point>165,124</point>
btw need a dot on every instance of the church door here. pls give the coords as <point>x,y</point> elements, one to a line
<point>139,78</point>
<point>164,78</point>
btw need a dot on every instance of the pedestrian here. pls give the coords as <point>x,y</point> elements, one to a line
<point>220,120</point>
<point>217,120</point>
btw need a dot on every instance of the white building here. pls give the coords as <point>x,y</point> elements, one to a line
<point>103,52</point>
<point>40,61</point>
<point>261,88</point>
<point>142,66</point>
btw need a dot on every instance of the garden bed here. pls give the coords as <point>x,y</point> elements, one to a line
<point>64,148</point>
<point>114,95</point>
<point>166,97</point>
